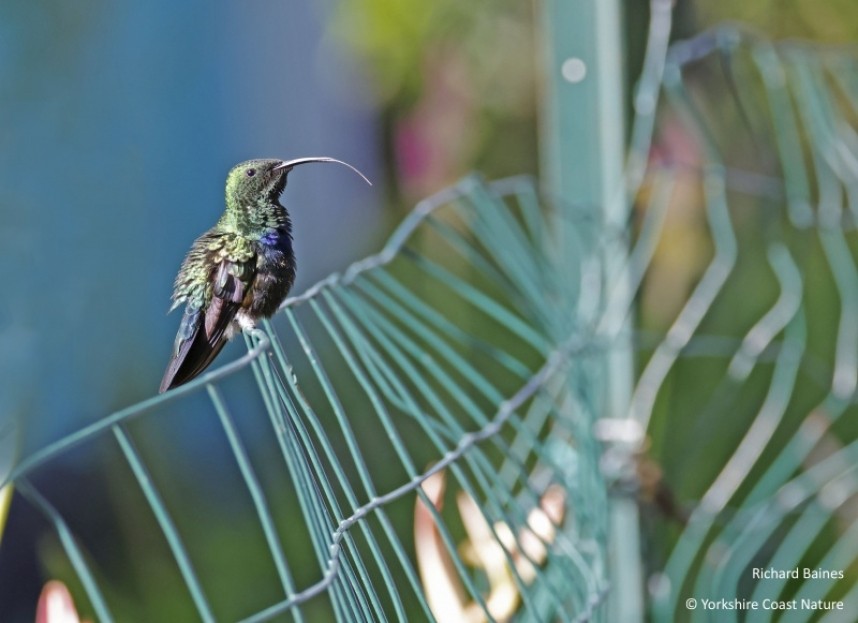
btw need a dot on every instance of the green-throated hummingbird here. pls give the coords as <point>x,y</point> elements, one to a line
<point>237,272</point>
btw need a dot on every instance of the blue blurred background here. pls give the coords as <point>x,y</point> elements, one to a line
<point>119,124</point>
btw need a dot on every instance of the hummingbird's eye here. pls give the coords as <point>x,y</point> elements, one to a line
<point>251,172</point>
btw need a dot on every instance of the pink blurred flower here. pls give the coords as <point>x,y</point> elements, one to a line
<point>56,605</point>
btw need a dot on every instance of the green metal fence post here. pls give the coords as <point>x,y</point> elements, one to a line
<point>583,147</point>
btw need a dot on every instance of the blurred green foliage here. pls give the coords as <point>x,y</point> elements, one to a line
<point>454,83</point>
<point>830,21</point>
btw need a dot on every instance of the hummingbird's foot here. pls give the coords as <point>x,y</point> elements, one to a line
<point>245,321</point>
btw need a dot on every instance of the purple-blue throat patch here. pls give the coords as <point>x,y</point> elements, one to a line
<point>277,240</point>
<point>271,238</point>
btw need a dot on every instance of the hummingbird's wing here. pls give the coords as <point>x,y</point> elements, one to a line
<point>203,332</point>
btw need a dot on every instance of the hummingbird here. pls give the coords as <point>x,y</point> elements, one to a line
<point>239,271</point>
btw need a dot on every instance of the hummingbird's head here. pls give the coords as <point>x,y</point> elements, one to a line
<point>258,182</point>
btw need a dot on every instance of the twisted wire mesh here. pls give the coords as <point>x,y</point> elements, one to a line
<point>460,348</point>
<point>780,362</point>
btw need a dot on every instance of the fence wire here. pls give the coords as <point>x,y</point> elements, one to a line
<point>440,355</point>
<point>781,195</point>
<point>435,406</point>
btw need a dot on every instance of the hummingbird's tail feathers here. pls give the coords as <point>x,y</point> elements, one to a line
<point>289,164</point>
<point>193,357</point>
<point>203,335</point>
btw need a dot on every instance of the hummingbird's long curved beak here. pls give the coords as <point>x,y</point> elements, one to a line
<point>289,164</point>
